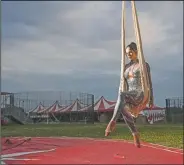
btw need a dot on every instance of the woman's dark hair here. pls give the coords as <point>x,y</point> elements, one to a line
<point>132,46</point>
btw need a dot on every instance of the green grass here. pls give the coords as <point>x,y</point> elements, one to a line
<point>168,135</point>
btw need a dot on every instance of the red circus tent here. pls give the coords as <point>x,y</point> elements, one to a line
<point>76,106</point>
<point>52,109</point>
<point>84,109</point>
<point>103,105</point>
<point>39,108</point>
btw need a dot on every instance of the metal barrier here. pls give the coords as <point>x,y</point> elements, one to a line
<point>28,101</point>
<point>16,114</point>
<point>174,107</point>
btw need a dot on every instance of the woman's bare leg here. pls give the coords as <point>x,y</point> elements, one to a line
<point>129,120</point>
<point>117,112</point>
<point>131,125</point>
<point>122,107</point>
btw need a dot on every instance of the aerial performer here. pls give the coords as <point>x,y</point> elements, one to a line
<point>135,90</point>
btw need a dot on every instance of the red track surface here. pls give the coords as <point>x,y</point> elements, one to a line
<point>86,151</point>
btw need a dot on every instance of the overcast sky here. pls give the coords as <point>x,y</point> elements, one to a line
<point>75,46</point>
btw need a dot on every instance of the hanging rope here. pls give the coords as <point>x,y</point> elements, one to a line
<point>142,63</point>
<point>122,86</point>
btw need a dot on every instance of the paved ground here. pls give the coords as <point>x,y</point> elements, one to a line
<point>65,150</point>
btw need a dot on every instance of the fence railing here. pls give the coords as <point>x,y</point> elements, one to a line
<point>28,101</point>
<point>174,109</point>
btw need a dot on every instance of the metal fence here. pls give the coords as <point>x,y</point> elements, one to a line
<point>30,100</point>
<point>174,107</point>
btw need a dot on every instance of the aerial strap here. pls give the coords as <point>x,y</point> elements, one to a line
<point>142,63</point>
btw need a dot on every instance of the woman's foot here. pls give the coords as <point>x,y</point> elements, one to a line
<point>110,128</point>
<point>136,137</point>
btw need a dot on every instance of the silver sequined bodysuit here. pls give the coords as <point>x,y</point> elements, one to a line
<point>134,95</point>
<point>132,76</point>
<point>132,98</point>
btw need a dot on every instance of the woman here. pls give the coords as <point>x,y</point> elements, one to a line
<point>133,97</point>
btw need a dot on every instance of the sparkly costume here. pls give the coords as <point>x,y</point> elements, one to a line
<point>132,98</point>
